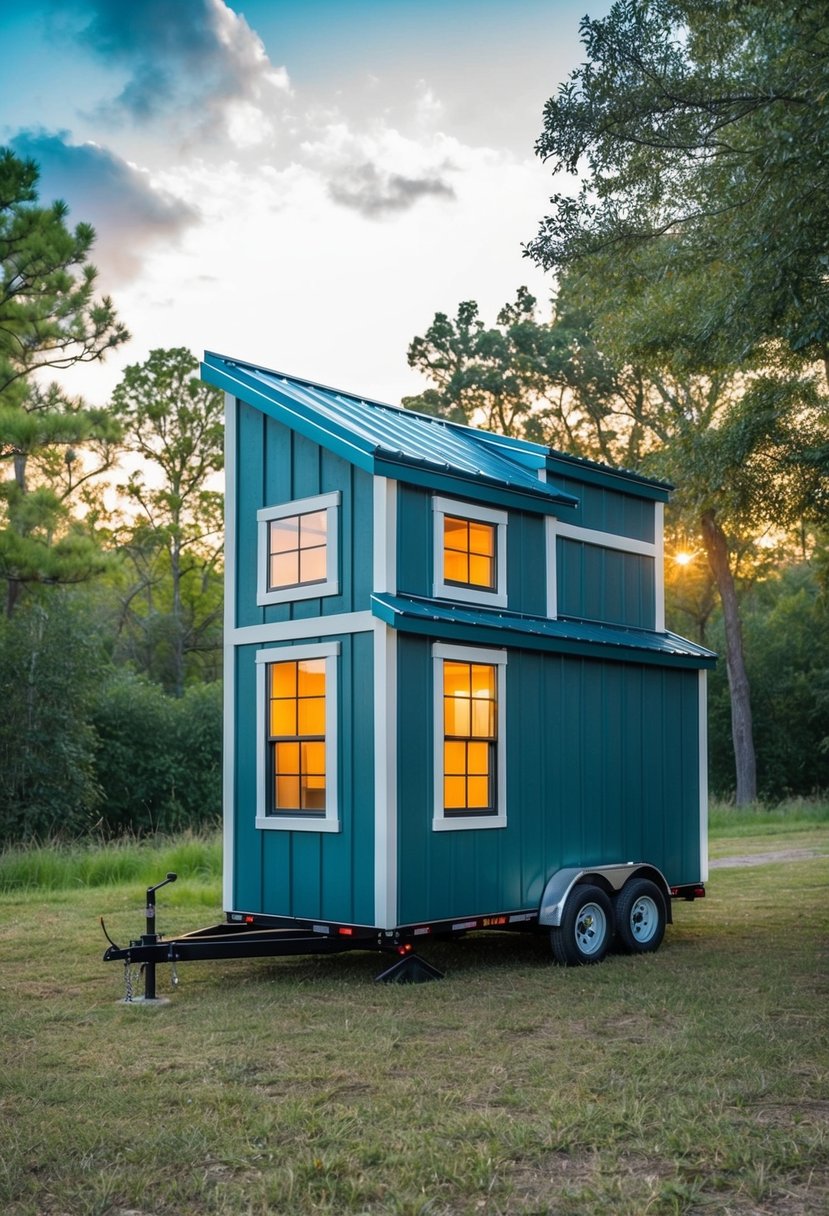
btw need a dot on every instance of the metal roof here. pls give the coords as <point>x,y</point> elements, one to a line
<point>498,627</point>
<point>392,441</point>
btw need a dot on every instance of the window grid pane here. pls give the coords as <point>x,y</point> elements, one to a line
<point>298,550</point>
<point>469,553</point>
<point>470,737</point>
<point>297,736</point>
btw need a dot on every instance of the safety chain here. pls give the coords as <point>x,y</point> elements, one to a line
<point>128,994</point>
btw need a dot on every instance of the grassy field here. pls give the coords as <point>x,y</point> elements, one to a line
<point>692,1081</point>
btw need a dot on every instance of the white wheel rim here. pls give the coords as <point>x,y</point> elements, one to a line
<point>591,929</point>
<point>644,918</point>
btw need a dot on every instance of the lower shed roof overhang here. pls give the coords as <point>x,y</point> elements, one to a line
<point>494,627</point>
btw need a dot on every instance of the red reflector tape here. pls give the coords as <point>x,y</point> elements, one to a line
<point>248,920</point>
<point>346,932</point>
<point>425,929</point>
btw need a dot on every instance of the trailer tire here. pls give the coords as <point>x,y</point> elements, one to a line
<point>586,929</point>
<point>641,916</point>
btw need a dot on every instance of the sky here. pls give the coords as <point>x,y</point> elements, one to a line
<point>301,184</point>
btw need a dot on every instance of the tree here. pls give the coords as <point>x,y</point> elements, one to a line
<point>699,129</point>
<point>787,643</point>
<point>173,422</point>
<point>698,234</point>
<point>522,376</point>
<point>48,319</point>
<point>733,442</point>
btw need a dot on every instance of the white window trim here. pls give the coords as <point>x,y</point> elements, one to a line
<point>304,591</point>
<point>703,775</point>
<point>441,822</point>
<point>551,553</point>
<point>330,822</point>
<point>470,595</point>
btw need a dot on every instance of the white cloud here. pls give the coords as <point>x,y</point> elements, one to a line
<point>287,265</point>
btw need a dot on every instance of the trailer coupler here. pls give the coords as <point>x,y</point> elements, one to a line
<point>238,940</point>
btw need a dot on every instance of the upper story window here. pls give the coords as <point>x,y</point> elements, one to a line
<point>298,550</point>
<point>470,553</point>
<point>297,737</point>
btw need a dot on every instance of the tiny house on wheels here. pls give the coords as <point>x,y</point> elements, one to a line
<point>451,702</point>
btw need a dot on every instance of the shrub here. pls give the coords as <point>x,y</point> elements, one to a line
<point>50,666</point>
<point>158,759</point>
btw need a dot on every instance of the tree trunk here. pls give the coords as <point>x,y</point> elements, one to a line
<point>178,638</point>
<point>742,734</point>
<point>14,585</point>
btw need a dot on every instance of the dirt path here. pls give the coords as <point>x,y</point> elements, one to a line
<point>764,859</point>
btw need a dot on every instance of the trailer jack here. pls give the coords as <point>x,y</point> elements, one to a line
<point>237,940</point>
<point>148,965</point>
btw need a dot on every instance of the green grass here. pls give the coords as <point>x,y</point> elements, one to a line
<point>799,815</point>
<point>693,1081</point>
<point>56,867</point>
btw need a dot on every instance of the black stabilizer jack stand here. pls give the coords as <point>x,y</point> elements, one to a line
<point>150,937</point>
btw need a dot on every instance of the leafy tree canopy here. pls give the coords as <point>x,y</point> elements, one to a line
<point>700,129</point>
<point>49,318</point>
<point>174,423</point>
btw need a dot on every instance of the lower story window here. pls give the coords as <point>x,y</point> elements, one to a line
<point>297,747</point>
<point>297,735</point>
<point>469,736</point>
<point>470,781</point>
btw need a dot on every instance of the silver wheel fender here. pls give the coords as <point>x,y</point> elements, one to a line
<point>612,878</point>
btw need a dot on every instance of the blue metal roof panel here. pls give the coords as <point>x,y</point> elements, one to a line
<point>492,626</point>
<point>393,434</point>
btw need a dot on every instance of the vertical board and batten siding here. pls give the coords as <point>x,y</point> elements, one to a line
<point>611,775</point>
<point>526,566</point>
<point>311,875</point>
<point>605,509</point>
<point>599,584</point>
<point>304,874</point>
<point>277,465</point>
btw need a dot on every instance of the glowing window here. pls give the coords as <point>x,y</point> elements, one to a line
<point>470,554</point>
<point>470,725</point>
<point>296,736</point>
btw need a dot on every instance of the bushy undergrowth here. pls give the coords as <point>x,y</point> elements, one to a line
<point>158,759</point>
<point>56,866</point>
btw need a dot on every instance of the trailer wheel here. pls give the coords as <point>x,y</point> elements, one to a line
<point>640,916</point>
<point>586,928</point>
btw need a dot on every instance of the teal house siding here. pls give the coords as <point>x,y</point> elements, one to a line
<point>308,875</point>
<point>278,466</point>
<point>608,500</point>
<point>414,540</point>
<point>600,584</point>
<point>526,564</point>
<point>601,767</point>
<point>600,750</point>
<point>526,560</point>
